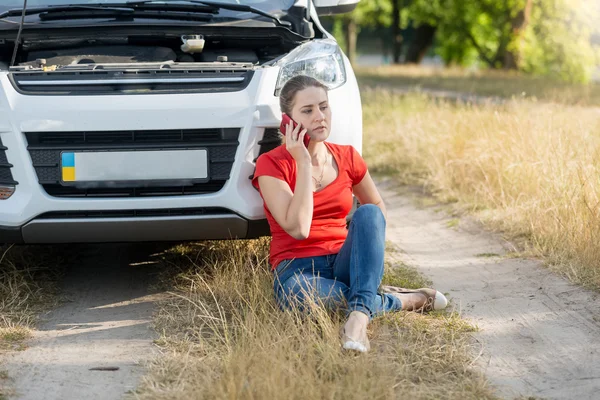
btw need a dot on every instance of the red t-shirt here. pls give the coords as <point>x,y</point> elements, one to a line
<point>331,204</point>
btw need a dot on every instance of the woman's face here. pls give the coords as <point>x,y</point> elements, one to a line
<point>311,110</point>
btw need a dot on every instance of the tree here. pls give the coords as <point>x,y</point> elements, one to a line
<point>482,28</point>
<point>421,42</point>
<point>559,40</point>
<point>538,36</point>
<point>368,13</point>
<point>518,24</point>
<point>397,6</point>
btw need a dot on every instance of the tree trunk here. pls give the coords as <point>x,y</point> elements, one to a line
<point>518,25</point>
<point>396,30</point>
<point>351,33</point>
<point>423,39</point>
<point>383,34</point>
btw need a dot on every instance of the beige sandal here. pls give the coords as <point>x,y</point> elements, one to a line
<point>435,300</point>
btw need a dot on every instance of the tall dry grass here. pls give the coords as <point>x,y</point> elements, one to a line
<point>223,337</point>
<point>531,169</point>
<point>28,286</point>
<point>29,277</point>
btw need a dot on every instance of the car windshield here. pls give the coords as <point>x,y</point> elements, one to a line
<point>265,5</point>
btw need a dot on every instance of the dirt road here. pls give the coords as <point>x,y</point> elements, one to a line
<point>540,335</point>
<point>91,347</point>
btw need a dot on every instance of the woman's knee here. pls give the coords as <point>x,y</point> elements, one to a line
<point>369,214</point>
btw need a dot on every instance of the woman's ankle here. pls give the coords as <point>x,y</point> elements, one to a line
<point>356,324</point>
<point>363,317</point>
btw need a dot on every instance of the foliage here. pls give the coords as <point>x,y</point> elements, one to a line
<point>368,14</point>
<point>542,37</point>
<point>558,42</point>
<point>553,39</point>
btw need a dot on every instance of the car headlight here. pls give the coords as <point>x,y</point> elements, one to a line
<point>320,59</point>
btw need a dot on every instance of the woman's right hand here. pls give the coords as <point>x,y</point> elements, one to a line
<point>294,143</point>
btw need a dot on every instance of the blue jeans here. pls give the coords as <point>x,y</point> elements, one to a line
<point>349,279</point>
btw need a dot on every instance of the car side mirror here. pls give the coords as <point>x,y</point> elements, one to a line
<point>331,7</point>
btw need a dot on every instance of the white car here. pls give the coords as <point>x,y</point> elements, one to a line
<point>142,120</point>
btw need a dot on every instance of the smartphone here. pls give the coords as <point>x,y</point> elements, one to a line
<point>285,120</point>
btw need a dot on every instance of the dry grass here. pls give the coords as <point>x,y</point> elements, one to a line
<point>28,286</point>
<point>483,83</point>
<point>531,169</point>
<point>223,337</point>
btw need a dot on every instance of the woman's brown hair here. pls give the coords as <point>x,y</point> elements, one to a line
<point>293,86</point>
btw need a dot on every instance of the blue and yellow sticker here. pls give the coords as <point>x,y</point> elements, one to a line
<point>68,167</point>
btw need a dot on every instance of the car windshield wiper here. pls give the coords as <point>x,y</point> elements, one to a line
<point>193,12</point>
<point>126,15</point>
<point>38,10</point>
<point>216,4</point>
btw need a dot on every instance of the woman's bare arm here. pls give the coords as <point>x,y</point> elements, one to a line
<point>292,211</point>
<point>366,192</point>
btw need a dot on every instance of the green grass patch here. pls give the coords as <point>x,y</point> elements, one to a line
<point>12,335</point>
<point>452,223</point>
<point>487,255</point>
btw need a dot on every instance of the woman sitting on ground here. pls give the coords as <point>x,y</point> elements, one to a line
<point>307,194</point>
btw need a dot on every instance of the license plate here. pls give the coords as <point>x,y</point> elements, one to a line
<point>118,166</point>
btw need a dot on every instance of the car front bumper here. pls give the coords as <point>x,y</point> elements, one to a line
<point>31,214</point>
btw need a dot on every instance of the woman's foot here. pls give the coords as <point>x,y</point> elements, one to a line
<point>354,332</point>
<point>425,299</point>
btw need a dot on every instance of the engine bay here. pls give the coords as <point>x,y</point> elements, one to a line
<point>68,52</point>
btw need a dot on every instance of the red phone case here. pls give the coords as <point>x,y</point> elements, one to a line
<point>285,120</point>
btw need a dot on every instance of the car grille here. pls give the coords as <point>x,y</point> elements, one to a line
<point>109,81</point>
<point>6,177</point>
<point>45,149</point>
